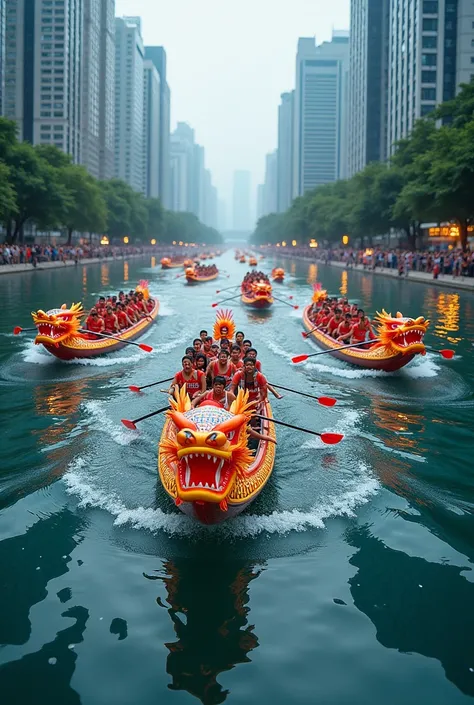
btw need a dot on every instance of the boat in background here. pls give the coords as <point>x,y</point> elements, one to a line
<point>258,294</point>
<point>278,274</point>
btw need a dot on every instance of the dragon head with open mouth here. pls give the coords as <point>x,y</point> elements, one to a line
<point>400,334</point>
<point>261,289</point>
<point>58,324</point>
<point>208,446</point>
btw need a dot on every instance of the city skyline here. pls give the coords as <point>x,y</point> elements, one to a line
<point>231,107</point>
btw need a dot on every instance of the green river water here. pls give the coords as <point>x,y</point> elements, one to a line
<point>349,581</point>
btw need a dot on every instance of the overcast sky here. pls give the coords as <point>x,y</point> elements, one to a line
<point>228,63</point>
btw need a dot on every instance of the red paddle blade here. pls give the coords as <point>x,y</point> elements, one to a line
<point>331,439</point>
<point>290,297</point>
<point>146,348</point>
<point>214,305</point>
<point>305,335</point>
<point>327,401</point>
<point>218,291</point>
<point>17,330</point>
<point>295,307</point>
<point>129,424</point>
<point>447,354</point>
<point>134,388</point>
<point>299,358</point>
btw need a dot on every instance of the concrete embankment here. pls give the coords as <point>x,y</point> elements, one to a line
<point>42,266</point>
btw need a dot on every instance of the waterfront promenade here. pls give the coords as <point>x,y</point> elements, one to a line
<point>42,266</point>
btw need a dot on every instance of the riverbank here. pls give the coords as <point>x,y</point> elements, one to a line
<point>444,280</point>
<point>41,266</point>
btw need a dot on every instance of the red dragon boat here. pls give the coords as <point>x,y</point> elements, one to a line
<point>257,295</point>
<point>278,274</point>
<point>192,277</point>
<point>399,340</point>
<point>168,263</point>
<point>59,332</point>
<point>204,461</point>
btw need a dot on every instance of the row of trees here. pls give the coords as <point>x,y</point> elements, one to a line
<point>40,185</point>
<point>430,178</point>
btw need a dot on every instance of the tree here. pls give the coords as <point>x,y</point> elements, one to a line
<point>86,211</point>
<point>8,205</point>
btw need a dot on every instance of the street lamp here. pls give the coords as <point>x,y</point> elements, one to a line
<point>105,240</point>
<point>153,242</point>
<point>345,239</point>
<point>313,243</point>
<point>293,242</point>
<point>125,240</point>
<point>283,244</point>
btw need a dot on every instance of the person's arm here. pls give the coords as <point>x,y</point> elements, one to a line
<point>263,384</point>
<point>274,392</point>
<point>260,436</point>
<point>197,399</point>
<point>173,385</point>
<point>202,382</point>
<point>102,322</point>
<point>233,387</point>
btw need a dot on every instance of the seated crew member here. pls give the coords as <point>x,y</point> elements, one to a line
<point>361,330</point>
<point>111,322</point>
<point>236,357</point>
<point>203,336</point>
<point>246,344</point>
<point>344,327</point>
<point>197,345</point>
<point>207,348</point>
<point>334,322</point>
<point>200,362</point>
<point>239,339</point>
<point>249,378</point>
<point>225,344</point>
<point>122,318</point>
<point>252,352</point>
<point>94,322</point>
<point>221,367</point>
<point>217,394</point>
<point>131,311</point>
<point>194,380</point>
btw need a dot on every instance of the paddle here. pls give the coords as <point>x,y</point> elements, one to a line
<point>133,388</point>
<point>447,354</point>
<point>17,330</point>
<point>142,346</point>
<point>324,401</point>
<point>219,291</point>
<point>131,424</point>
<point>328,438</point>
<point>284,302</point>
<point>224,301</point>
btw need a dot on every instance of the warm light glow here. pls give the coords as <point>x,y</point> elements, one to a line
<point>345,239</point>
<point>313,243</point>
<point>293,242</point>
<point>278,244</point>
<point>153,242</point>
<point>174,242</point>
<point>344,280</point>
<point>283,244</point>
<point>448,231</point>
<point>125,239</point>
<point>125,271</point>
<point>368,252</point>
<point>105,240</point>
<point>180,243</point>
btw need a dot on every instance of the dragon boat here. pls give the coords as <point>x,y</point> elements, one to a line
<point>193,278</point>
<point>242,259</point>
<point>168,263</point>
<point>258,295</point>
<point>399,339</point>
<point>278,274</point>
<point>253,261</point>
<point>59,331</point>
<point>205,463</point>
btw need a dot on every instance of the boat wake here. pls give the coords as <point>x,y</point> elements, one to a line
<point>96,416</point>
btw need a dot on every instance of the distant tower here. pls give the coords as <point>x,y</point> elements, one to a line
<point>241,218</point>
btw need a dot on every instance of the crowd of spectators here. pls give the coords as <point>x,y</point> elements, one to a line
<point>37,253</point>
<point>455,262</point>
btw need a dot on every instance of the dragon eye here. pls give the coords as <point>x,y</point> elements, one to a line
<point>216,439</point>
<point>186,437</point>
<point>212,437</point>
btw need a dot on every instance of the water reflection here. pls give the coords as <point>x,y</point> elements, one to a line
<point>344,280</point>
<point>293,268</point>
<point>405,428</point>
<point>312,274</point>
<point>366,286</point>
<point>104,275</point>
<point>153,261</point>
<point>209,609</point>
<point>125,271</point>
<point>415,605</point>
<point>84,282</point>
<point>448,310</point>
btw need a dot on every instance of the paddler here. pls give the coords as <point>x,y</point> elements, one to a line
<point>122,318</point>
<point>344,328</point>
<point>94,322</point>
<point>217,394</point>
<point>111,322</point>
<point>194,380</point>
<point>222,367</point>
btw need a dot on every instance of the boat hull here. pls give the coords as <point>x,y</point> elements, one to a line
<point>257,302</point>
<point>82,348</point>
<point>373,359</point>
<point>245,489</point>
<point>173,265</point>
<point>198,280</point>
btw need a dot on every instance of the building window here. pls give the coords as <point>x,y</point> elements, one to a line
<point>426,109</point>
<point>428,94</point>
<point>430,24</point>
<point>429,59</point>
<point>430,7</point>
<point>429,42</point>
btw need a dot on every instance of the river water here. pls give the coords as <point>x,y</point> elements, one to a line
<point>349,580</point>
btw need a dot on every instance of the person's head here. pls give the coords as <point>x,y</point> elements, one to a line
<point>197,344</point>
<point>187,362</point>
<point>223,356</point>
<point>225,344</point>
<point>235,353</point>
<point>190,352</point>
<point>109,309</point>
<point>249,364</point>
<point>119,306</point>
<point>201,361</point>
<point>361,313</point>
<point>218,385</point>
<point>207,343</point>
<point>215,349</point>
<point>102,299</point>
<point>239,337</point>
<point>251,352</point>
<point>94,312</point>
<point>348,317</point>
<point>203,335</point>
<point>246,345</point>
<point>338,312</point>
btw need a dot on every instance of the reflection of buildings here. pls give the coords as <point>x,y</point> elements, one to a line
<point>416,606</point>
<point>104,275</point>
<point>344,280</point>
<point>448,308</point>
<point>312,274</point>
<point>397,422</point>
<point>208,607</point>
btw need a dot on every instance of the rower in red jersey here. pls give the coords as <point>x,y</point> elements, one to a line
<point>362,330</point>
<point>324,317</point>
<point>344,328</point>
<point>221,367</point>
<point>252,353</point>
<point>207,348</point>
<point>111,322</point>
<point>217,394</point>
<point>334,323</point>
<point>250,379</point>
<point>194,380</point>
<point>236,357</point>
<point>122,318</point>
<point>131,311</point>
<point>94,322</point>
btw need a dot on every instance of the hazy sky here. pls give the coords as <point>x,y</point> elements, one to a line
<point>228,63</point>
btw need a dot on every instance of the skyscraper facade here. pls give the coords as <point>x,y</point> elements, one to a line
<point>157,55</point>
<point>241,218</point>
<point>3,18</point>
<point>107,90</point>
<point>285,152</point>
<point>43,72</point>
<point>368,83</point>
<point>151,116</point>
<point>320,112</point>
<point>182,168</point>
<point>270,193</point>
<point>129,102</point>
<point>431,46</point>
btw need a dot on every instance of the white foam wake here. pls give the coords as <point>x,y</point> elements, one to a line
<point>97,416</point>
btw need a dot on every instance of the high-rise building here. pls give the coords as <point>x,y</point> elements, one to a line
<point>431,46</point>
<point>197,182</point>
<point>43,72</point>
<point>368,83</point>
<point>270,190</point>
<point>241,202</point>
<point>3,13</point>
<point>129,133</point>
<point>285,152</point>
<point>210,201</point>
<point>98,86</point>
<point>182,168</point>
<point>158,56</point>
<point>151,116</point>
<point>320,112</point>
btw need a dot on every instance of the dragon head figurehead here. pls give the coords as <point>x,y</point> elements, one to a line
<point>224,326</point>
<point>188,263</point>
<point>400,334</point>
<point>278,273</point>
<point>319,294</point>
<point>261,289</point>
<point>57,325</point>
<point>142,288</point>
<point>253,261</point>
<point>189,271</point>
<point>165,262</point>
<point>208,446</point>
